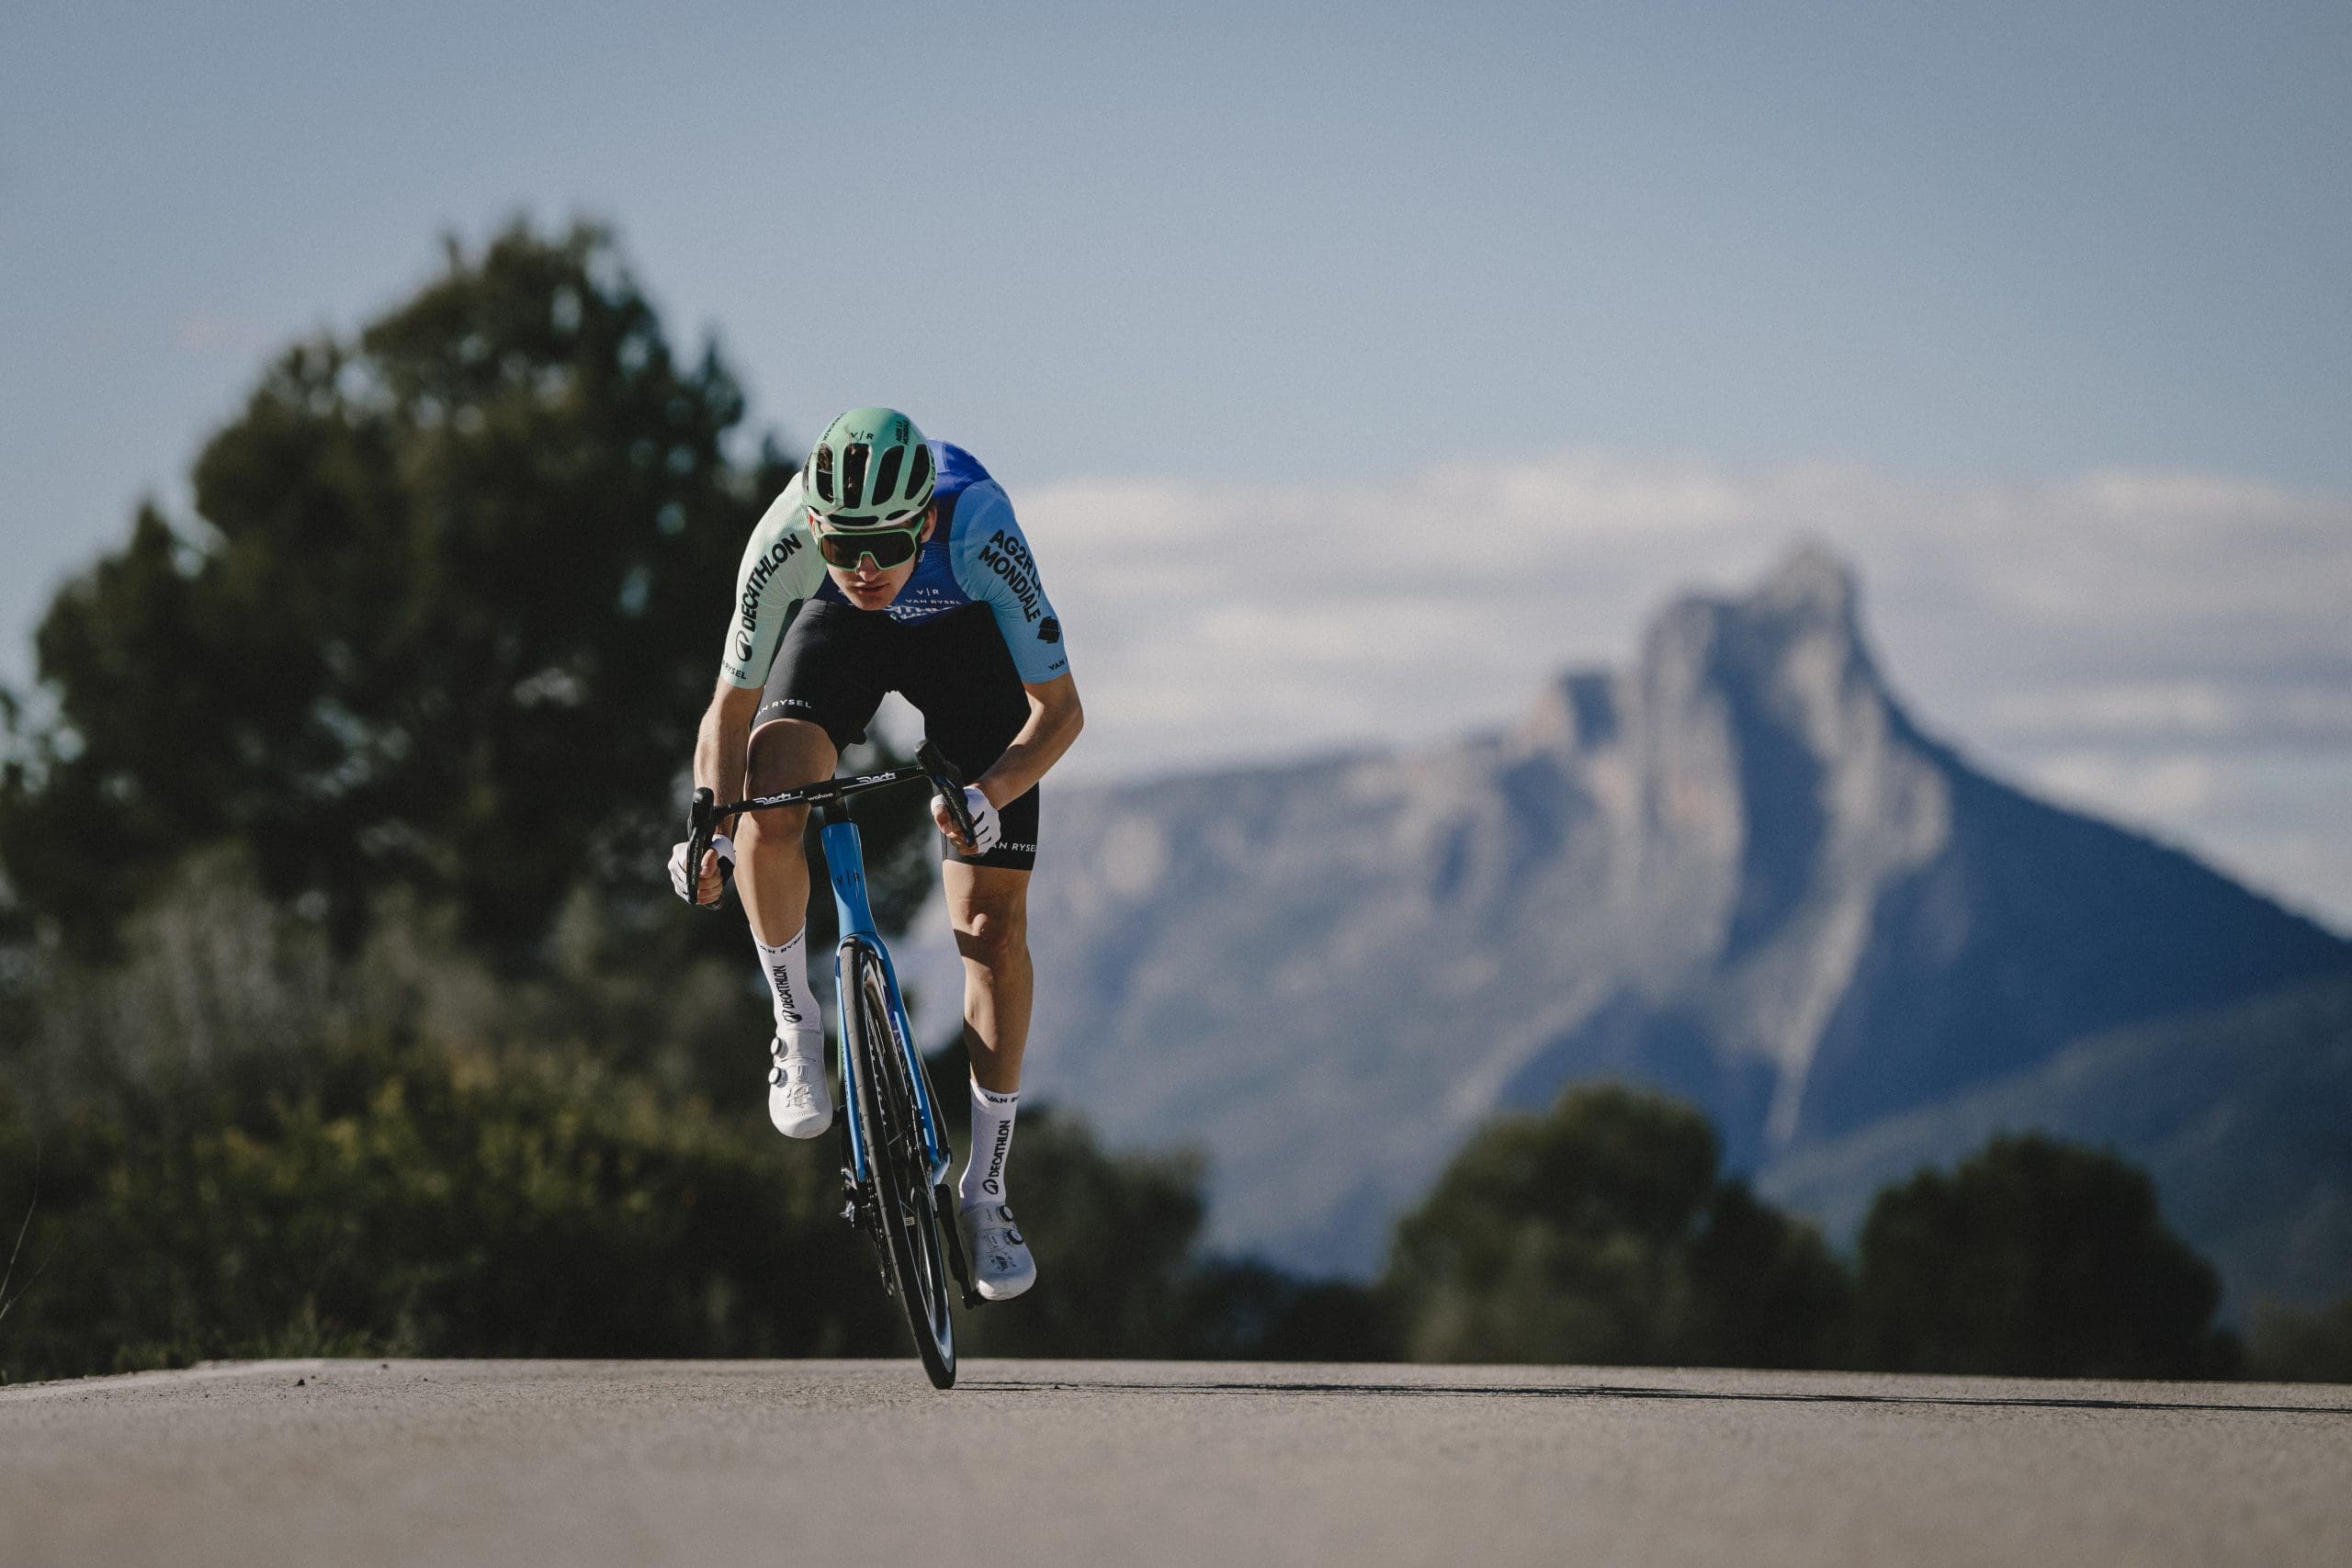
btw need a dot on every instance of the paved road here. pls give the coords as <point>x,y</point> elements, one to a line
<point>1116,1463</point>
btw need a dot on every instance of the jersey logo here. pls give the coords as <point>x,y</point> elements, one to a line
<point>1009,559</point>
<point>1049,630</point>
<point>747,625</point>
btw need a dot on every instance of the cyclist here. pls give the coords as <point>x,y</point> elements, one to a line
<point>907,573</point>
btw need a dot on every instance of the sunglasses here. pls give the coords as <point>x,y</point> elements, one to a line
<point>888,548</point>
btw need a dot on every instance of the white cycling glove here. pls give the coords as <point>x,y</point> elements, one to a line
<point>683,879</point>
<point>987,831</point>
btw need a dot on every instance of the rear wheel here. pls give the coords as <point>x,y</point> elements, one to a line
<point>906,1205</point>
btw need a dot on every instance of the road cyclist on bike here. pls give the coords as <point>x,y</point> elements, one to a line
<point>893,563</point>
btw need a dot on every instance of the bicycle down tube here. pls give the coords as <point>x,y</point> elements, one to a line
<point>845,866</point>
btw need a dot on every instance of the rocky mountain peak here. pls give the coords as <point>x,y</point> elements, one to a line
<point>1811,583</point>
<point>1791,644</point>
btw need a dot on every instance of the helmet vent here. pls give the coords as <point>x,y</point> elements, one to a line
<point>821,463</point>
<point>854,460</point>
<point>885,477</point>
<point>919,482</point>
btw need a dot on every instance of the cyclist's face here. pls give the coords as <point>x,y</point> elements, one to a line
<point>870,587</point>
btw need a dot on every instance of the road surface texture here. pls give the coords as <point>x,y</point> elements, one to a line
<point>355,1463</point>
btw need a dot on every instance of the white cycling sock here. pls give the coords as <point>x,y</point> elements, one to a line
<point>992,1141</point>
<point>799,1023</point>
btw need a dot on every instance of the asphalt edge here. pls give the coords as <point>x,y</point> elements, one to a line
<point>117,1382</point>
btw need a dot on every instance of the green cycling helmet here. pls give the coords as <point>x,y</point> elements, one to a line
<point>871,468</point>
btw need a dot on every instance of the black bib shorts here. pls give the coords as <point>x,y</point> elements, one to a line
<point>837,662</point>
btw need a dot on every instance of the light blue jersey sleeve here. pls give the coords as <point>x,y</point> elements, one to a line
<point>780,568</point>
<point>993,564</point>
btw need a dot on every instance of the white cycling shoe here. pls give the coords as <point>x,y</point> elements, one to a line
<point>1001,1266</point>
<point>799,1102</point>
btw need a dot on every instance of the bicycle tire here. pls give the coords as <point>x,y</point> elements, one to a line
<point>905,1204</point>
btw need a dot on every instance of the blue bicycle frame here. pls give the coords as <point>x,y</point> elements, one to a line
<point>845,866</point>
<point>911,1221</point>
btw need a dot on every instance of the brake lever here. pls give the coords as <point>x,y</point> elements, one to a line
<point>948,784</point>
<point>701,823</point>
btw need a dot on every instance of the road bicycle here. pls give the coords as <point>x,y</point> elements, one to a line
<point>895,1151</point>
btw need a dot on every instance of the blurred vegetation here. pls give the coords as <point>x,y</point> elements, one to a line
<point>2291,1343</point>
<point>1603,1232</point>
<point>344,1009</point>
<point>2037,1257</point>
<point>445,619</point>
<point>234,1142</point>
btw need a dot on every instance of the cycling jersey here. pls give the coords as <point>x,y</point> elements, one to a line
<point>976,555</point>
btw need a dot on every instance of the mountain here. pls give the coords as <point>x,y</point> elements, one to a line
<point>1736,871</point>
<point>2243,1116</point>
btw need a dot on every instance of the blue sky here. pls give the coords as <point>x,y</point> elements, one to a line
<point>1983,251</point>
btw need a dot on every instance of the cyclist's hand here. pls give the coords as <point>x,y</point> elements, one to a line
<point>705,890</point>
<point>986,829</point>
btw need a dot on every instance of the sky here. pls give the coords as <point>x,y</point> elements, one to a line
<point>1441,344</point>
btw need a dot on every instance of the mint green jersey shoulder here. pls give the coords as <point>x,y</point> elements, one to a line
<point>780,569</point>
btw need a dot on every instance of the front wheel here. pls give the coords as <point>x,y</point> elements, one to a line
<point>905,1206</point>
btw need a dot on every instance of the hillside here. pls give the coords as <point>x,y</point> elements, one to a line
<point>2244,1116</point>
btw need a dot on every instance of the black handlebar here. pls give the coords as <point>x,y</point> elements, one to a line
<point>930,765</point>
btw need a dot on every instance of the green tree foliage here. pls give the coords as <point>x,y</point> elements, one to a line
<point>2293,1344</point>
<point>2037,1258</point>
<point>515,1204</point>
<point>236,1142</point>
<point>448,611</point>
<point>1600,1231</point>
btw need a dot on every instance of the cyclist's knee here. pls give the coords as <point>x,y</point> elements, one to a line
<point>993,935</point>
<point>781,825</point>
<point>784,754</point>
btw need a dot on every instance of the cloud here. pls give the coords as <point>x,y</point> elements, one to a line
<point>2036,624</point>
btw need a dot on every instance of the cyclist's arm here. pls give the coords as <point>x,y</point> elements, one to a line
<point>722,746</point>
<point>993,564</point>
<point>780,568</point>
<point>1055,720</point>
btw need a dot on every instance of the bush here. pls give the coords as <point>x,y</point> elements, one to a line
<point>426,1202</point>
<point>1600,1233</point>
<point>2294,1343</point>
<point>2035,1259</point>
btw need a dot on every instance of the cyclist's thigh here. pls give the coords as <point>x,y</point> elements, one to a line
<point>831,671</point>
<point>956,671</point>
<point>787,753</point>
